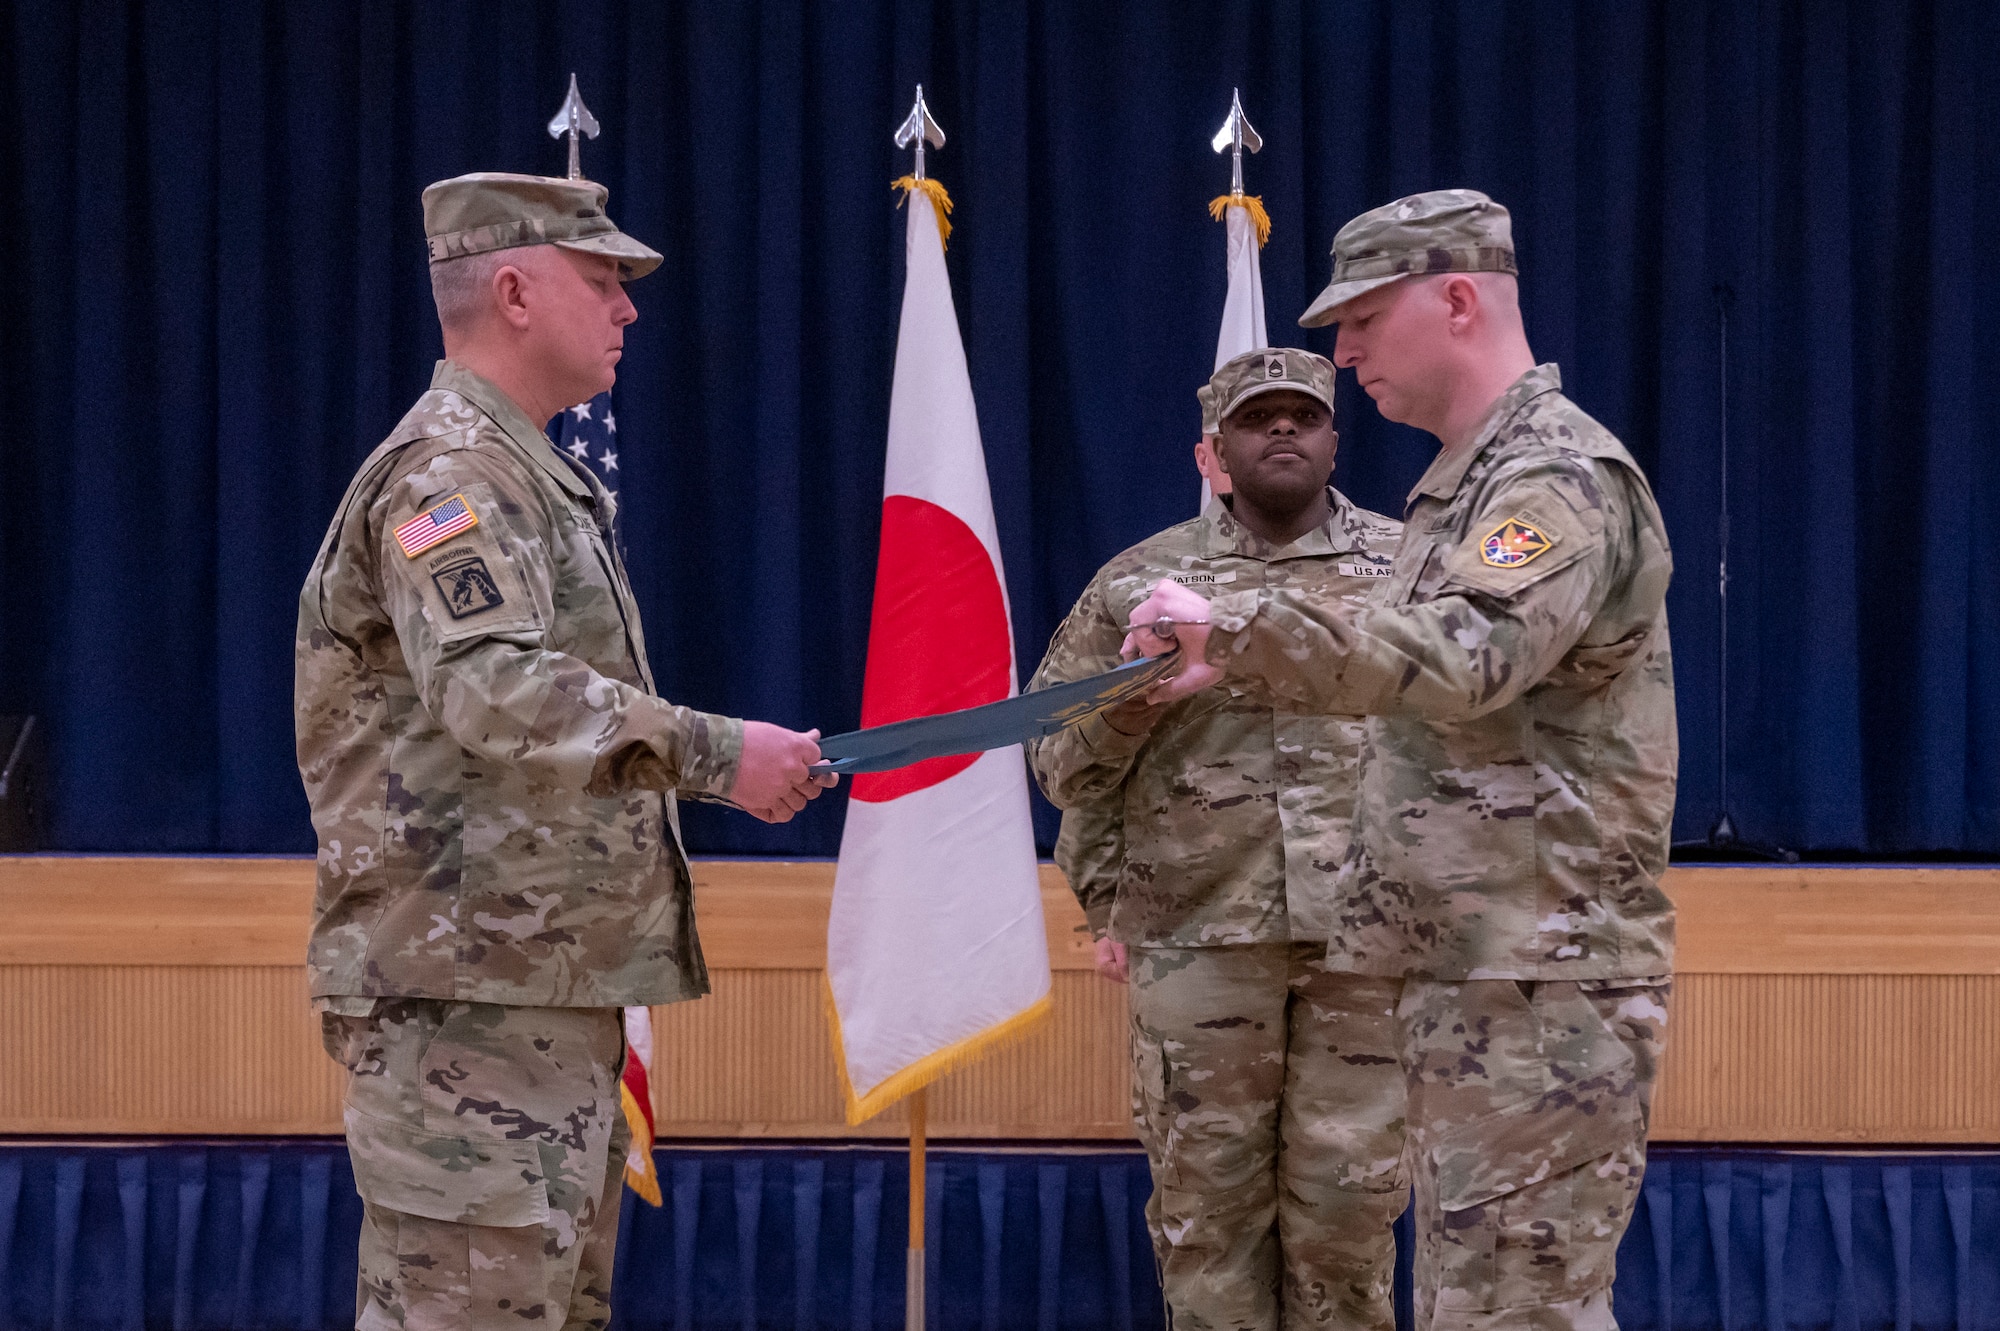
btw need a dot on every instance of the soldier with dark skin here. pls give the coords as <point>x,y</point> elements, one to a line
<point>1517,787</point>
<point>1090,844</point>
<point>492,776</point>
<point>1265,1088</point>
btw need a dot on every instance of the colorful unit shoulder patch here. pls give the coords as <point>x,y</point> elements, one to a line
<point>435,525</point>
<point>1512,544</point>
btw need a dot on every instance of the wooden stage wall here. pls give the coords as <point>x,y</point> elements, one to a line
<point>166,996</point>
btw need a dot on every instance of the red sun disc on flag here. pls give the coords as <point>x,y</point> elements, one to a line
<point>938,638</point>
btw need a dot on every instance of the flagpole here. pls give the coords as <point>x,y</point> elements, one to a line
<point>1246,226</point>
<point>917,130</point>
<point>913,1282</point>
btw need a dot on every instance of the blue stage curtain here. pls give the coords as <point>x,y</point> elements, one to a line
<point>261,1235</point>
<point>218,303</point>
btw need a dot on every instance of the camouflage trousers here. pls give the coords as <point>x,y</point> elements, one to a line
<point>1529,1104</point>
<point>488,1147</point>
<point>1267,1094</point>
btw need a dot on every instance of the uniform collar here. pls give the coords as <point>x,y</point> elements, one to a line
<point>1340,534</point>
<point>481,392</point>
<point>1448,469</point>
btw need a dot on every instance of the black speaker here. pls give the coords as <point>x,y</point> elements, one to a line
<point>24,781</point>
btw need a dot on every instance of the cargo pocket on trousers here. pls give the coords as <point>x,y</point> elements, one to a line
<point>1516,1190</point>
<point>349,1041</point>
<point>461,1180</point>
<point>1198,1224</point>
<point>1149,1089</point>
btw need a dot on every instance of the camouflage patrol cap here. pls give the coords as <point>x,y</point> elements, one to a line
<point>495,210</point>
<point>1264,371</point>
<point>1444,231</point>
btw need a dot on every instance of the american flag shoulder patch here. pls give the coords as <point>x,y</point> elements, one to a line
<point>436,525</point>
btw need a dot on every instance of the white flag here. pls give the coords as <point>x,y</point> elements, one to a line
<point>1243,308</point>
<point>936,948</point>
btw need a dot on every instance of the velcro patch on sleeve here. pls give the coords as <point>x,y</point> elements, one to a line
<point>467,586</point>
<point>470,569</point>
<point>1506,557</point>
<point>436,525</point>
<point>1513,543</point>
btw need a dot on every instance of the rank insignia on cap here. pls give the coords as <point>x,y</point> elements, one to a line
<point>1512,544</point>
<point>1274,367</point>
<point>435,525</point>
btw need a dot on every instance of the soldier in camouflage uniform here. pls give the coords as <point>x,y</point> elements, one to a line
<point>492,780</point>
<point>1518,783</point>
<point>1265,1087</point>
<point>1090,845</point>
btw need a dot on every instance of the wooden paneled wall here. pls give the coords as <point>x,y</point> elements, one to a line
<point>166,996</point>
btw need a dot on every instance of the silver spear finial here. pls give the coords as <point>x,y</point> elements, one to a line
<point>920,129</point>
<point>1237,135</point>
<point>574,118</point>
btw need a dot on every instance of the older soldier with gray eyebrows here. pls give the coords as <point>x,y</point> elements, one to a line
<point>1518,785</point>
<point>492,777</point>
<point>1265,1087</point>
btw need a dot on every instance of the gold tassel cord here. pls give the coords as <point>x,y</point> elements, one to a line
<point>1249,203</point>
<point>941,201</point>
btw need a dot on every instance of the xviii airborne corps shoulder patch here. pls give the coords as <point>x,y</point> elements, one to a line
<point>1512,544</point>
<point>467,586</point>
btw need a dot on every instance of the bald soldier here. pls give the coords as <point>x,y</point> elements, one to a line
<point>1518,781</point>
<point>1265,1087</point>
<point>492,777</point>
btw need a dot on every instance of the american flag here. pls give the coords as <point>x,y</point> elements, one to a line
<point>439,524</point>
<point>588,432</point>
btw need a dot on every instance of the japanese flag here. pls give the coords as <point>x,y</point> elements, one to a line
<point>936,949</point>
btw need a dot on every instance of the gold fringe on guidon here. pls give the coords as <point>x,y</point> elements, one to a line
<point>1249,203</point>
<point>929,1068</point>
<point>942,201</point>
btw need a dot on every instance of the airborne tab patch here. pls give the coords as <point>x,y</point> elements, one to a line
<point>435,526</point>
<point>1512,544</point>
<point>467,586</point>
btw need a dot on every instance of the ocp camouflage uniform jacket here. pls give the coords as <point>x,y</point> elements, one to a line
<point>1234,814</point>
<point>1518,785</point>
<point>479,736</point>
